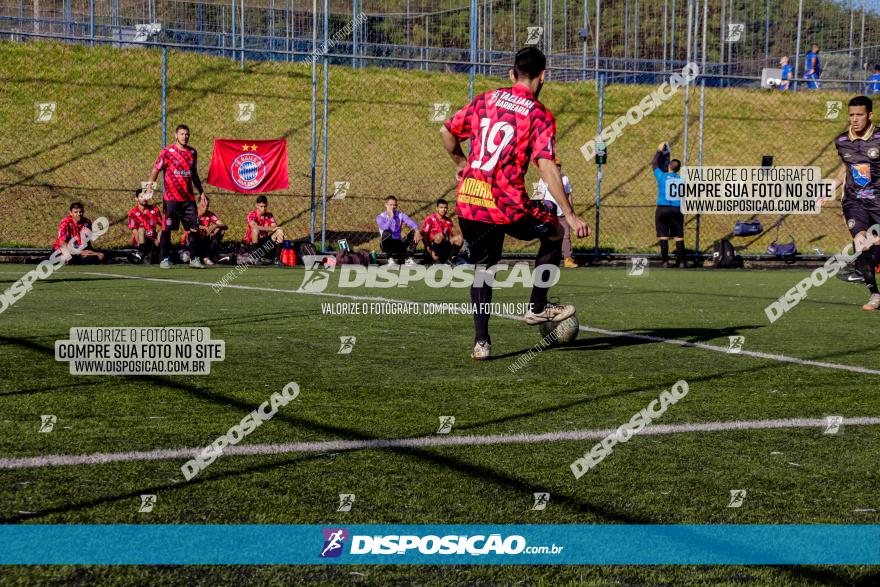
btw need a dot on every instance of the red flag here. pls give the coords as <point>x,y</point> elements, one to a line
<point>249,165</point>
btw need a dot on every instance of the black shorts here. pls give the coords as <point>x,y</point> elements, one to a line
<point>859,217</point>
<point>175,212</point>
<point>669,221</point>
<point>486,240</point>
<point>441,249</point>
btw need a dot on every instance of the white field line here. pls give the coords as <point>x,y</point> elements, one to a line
<point>420,442</point>
<point>672,341</point>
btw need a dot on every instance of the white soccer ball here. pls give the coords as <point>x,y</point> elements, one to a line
<point>562,332</point>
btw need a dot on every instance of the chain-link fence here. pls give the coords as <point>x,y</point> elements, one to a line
<point>86,124</point>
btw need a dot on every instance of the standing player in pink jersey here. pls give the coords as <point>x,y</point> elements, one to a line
<point>507,127</point>
<point>179,161</point>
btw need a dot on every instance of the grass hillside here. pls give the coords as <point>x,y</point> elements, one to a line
<point>108,127</point>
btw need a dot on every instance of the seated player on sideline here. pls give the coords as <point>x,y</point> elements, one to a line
<point>263,231</point>
<point>145,223</point>
<point>567,259</point>
<point>507,127</point>
<point>71,226</point>
<point>211,231</point>
<point>390,224</point>
<point>437,234</point>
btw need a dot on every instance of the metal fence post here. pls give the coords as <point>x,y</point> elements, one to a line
<point>91,23</point>
<point>599,167</point>
<point>849,55</point>
<point>598,21</point>
<point>702,117</point>
<point>767,36</point>
<point>164,95</point>
<point>242,33</point>
<point>687,85</point>
<point>324,132</point>
<point>354,33</point>
<point>672,37</point>
<point>473,31</point>
<point>797,45</point>
<point>314,60</point>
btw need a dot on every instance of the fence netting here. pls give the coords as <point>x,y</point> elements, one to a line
<point>86,92</point>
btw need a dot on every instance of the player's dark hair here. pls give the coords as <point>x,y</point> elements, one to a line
<point>529,63</point>
<point>138,192</point>
<point>76,205</point>
<point>877,67</point>
<point>262,200</point>
<point>180,127</point>
<point>862,101</point>
<point>442,201</point>
<point>389,198</point>
<point>816,45</point>
<point>674,166</point>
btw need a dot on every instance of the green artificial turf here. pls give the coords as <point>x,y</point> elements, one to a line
<point>406,371</point>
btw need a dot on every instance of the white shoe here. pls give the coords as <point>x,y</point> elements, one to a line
<point>165,264</point>
<point>873,303</point>
<point>196,263</point>
<point>391,262</point>
<point>482,351</point>
<point>551,313</point>
<point>410,261</point>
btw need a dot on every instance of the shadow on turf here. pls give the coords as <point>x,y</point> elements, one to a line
<point>478,473</point>
<point>690,335</point>
<point>156,489</point>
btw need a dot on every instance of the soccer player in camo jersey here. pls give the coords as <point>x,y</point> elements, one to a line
<point>507,127</point>
<point>179,162</point>
<point>859,151</point>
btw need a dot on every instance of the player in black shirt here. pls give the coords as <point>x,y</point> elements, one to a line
<point>859,150</point>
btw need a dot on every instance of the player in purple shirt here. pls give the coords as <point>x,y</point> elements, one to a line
<point>391,223</point>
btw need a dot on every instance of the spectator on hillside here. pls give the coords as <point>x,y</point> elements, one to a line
<point>874,81</point>
<point>787,73</point>
<point>390,224</point>
<point>812,68</point>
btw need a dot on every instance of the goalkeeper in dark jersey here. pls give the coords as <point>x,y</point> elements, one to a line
<point>859,150</point>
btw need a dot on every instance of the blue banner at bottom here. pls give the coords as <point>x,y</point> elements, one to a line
<point>149,544</point>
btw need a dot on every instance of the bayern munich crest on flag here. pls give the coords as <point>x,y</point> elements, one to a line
<point>249,165</point>
<point>248,170</point>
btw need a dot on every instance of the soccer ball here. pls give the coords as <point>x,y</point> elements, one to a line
<point>560,332</point>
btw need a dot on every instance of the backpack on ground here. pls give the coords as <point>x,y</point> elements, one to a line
<point>724,256</point>
<point>346,257</point>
